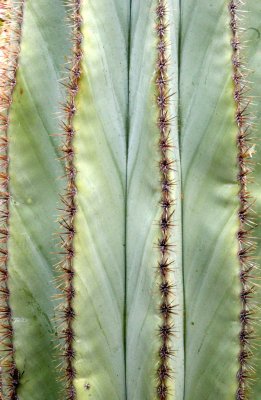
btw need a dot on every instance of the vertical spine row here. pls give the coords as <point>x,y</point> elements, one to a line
<point>66,286</point>
<point>9,53</point>
<point>246,224</point>
<point>166,308</point>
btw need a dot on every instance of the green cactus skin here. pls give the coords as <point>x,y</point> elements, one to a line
<point>34,187</point>
<point>146,151</point>
<point>93,313</point>
<point>217,260</point>
<point>209,171</point>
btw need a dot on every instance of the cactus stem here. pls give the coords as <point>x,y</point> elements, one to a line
<point>66,267</point>
<point>9,54</point>
<point>246,223</point>
<point>166,308</point>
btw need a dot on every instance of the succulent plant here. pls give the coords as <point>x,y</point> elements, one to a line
<point>130,199</point>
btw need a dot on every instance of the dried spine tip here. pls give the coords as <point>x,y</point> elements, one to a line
<point>12,14</point>
<point>167,203</point>
<point>246,244</point>
<point>66,286</point>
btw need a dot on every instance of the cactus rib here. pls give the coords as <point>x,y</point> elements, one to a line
<point>164,372</point>
<point>246,224</point>
<point>10,48</point>
<point>67,312</point>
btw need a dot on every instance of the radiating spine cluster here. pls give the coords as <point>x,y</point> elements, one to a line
<point>246,224</point>
<point>9,53</point>
<point>163,95</point>
<point>66,309</point>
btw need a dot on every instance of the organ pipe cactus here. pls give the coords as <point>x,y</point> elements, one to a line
<point>130,199</point>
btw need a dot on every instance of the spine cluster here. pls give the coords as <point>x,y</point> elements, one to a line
<point>67,313</point>
<point>166,308</point>
<point>246,224</point>
<point>9,53</point>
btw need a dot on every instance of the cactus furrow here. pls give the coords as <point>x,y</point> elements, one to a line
<point>67,313</point>
<point>247,245</point>
<point>10,49</point>
<point>166,165</point>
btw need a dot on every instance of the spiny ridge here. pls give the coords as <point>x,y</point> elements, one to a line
<point>167,203</point>
<point>66,312</point>
<point>12,16</point>
<point>246,242</point>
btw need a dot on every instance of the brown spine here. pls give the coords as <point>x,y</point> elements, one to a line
<point>246,224</point>
<point>166,165</point>
<point>66,309</point>
<point>9,50</point>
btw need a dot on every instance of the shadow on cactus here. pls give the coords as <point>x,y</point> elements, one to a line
<point>130,200</point>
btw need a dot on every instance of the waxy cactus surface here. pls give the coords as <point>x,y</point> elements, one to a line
<point>130,199</point>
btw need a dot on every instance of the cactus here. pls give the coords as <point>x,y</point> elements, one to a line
<point>129,199</point>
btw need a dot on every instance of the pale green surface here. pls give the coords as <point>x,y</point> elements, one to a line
<point>100,145</point>
<point>143,213</point>
<point>34,187</point>
<point>209,170</point>
<point>253,56</point>
<point>209,188</point>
